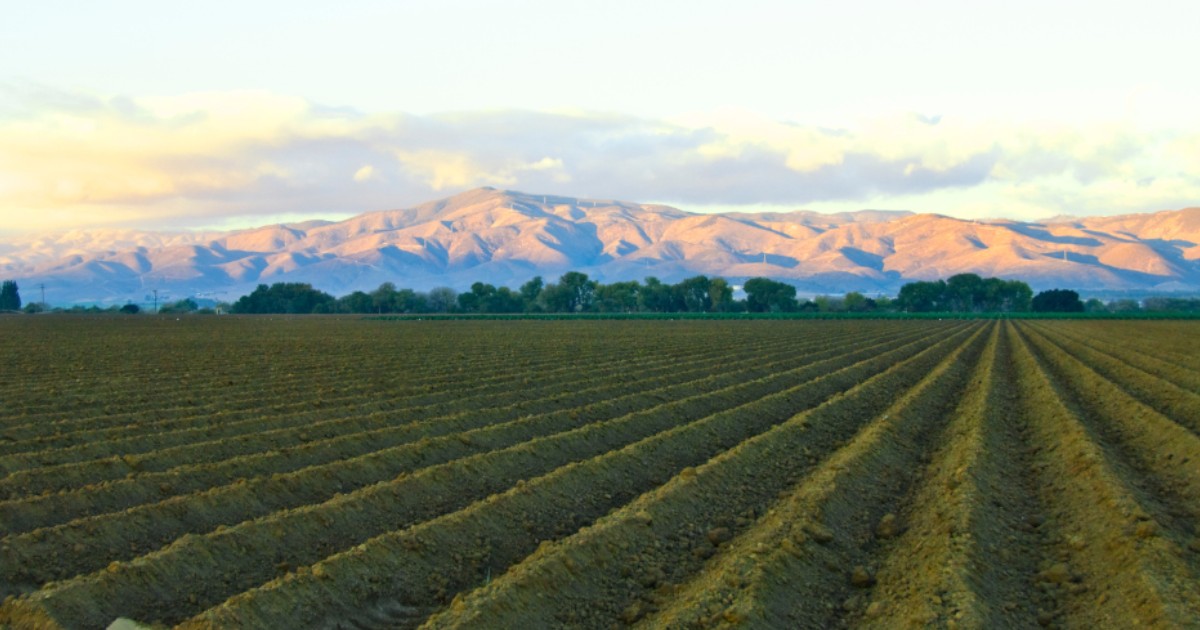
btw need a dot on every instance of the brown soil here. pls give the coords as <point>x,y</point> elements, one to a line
<point>344,473</point>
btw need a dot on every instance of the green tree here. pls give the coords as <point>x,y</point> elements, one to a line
<point>357,302</point>
<point>701,294</point>
<point>1174,305</point>
<point>659,297</point>
<point>1057,301</point>
<point>694,293</point>
<point>765,295</point>
<point>555,298</point>
<point>826,304</point>
<point>409,301</point>
<point>473,301</point>
<point>720,295</point>
<point>618,297</point>
<point>485,298</point>
<point>530,292</point>
<point>965,293</point>
<point>383,299</point>
<point>441,299</point>
<point>582,290</point>
<point>922,297</point>
<point>10,296</point>
<point>1018,297</point>
<point>1005,296</point>
<point>856,302</point>
<point>285,297</point>
<point>573,293</point>
<point>505,300</point>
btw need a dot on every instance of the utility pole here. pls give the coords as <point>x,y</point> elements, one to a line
<point>43,288</point>
<point>155,300</point>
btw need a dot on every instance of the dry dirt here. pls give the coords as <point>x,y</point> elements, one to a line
<point>313,472</point>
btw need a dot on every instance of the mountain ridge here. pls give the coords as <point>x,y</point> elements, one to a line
<point>506,237</point>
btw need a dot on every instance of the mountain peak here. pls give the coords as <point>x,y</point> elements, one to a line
<point>505,237</point>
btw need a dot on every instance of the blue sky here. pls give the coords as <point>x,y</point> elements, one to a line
<point>161,115</point>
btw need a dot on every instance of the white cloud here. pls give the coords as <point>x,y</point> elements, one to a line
<point>198,159</point>
<point>365,174</point>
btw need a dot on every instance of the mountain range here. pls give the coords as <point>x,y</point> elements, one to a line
<point>505,237</point>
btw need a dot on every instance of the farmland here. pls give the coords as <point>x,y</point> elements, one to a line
<point>215,472</point>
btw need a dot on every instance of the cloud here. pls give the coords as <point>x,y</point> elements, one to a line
<point>364,174</point>
<point>197,159</point>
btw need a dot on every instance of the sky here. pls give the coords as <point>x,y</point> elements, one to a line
<point>161,115</point>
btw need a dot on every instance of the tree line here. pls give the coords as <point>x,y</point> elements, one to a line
<point>575,292</point>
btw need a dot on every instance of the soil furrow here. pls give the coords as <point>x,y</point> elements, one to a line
<point>90,543</point>
<point>154,454</point>
<point>572,501</point>
<point>1156,459</point>
<point>344,473</point>
<point>209,568</point>
<point>1179,404</point>
<point>243,392</point>
<point>289,441</point>
<point>965,552</point>
<point>652,548</point>
<point>1140,355</point>
<point>1105,564</point>
<point>830,525</point>
<point>653,541</point>
<point>132,440</point>
<point>20,515</point>
<point>258,379</point>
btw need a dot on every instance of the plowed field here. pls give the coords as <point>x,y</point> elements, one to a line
<point>229,472</point>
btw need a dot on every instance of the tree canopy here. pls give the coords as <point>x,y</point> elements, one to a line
<point>965,293</point>
<point>285,297</point>
<point>769,296</point>
<point>575,292</point>
<point>1057,301</point>
<point>10,296</point>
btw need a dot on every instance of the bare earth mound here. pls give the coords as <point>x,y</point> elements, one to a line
<point>320,472</point>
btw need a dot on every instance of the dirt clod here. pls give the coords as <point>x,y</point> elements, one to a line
<point>861,578</point>
<point>633,612</point>
<point>1056,574</point>
<point>718,535</point>
<point>819,532</point>
<point>887,528</point>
